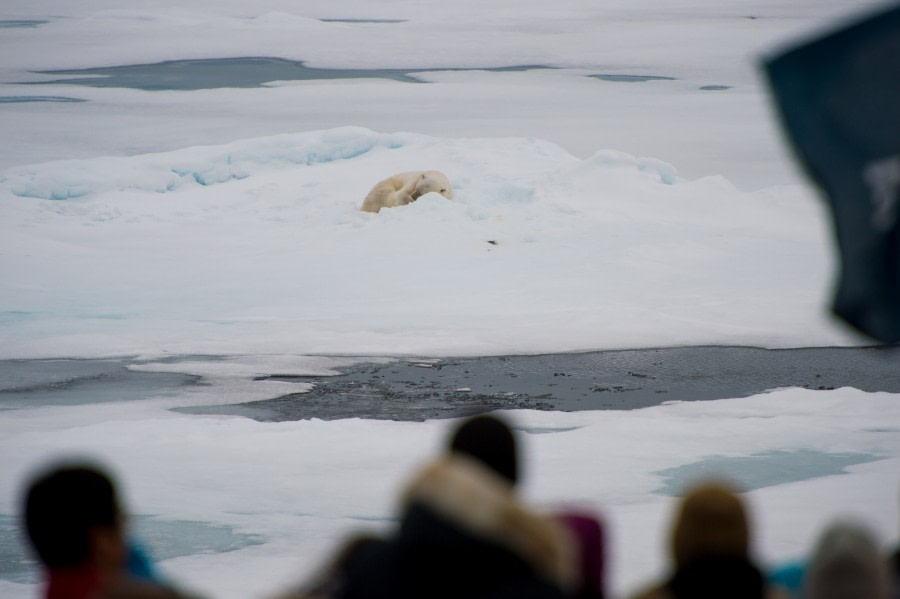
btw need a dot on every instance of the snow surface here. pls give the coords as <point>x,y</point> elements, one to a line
<point>260,246</point>
<point>589,214</point>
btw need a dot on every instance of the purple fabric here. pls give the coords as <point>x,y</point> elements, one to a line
<point>588,533</point>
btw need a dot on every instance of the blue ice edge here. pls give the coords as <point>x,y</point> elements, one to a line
<point>22,23</point>
<point>33,99</point>
<point>162,173</point>
<point>161,539</point>
<point>761,470</point>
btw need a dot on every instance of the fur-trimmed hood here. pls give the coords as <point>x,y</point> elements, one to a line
<point>478,501</point>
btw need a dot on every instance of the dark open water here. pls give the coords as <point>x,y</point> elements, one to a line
<point>621,380</point>
<point>420,389</point>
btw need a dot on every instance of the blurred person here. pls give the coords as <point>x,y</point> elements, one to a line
<point>489,440</point>
<point>893,565</point>
<point>76,527</point>
<point>587,531</point>
<point>845,551</point>
<point>462,533</point>
<point>710,544</point>
<point>789,577</point>
<point>847,564</point>
<point>894,572</point>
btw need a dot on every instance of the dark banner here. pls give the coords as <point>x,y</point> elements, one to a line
<point>839,101</point>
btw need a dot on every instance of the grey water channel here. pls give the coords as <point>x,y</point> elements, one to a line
<point>412,389</point>
<point>418,389</point>
<point>262,71</point>
<point>242,72</point>
<point>66,382</point>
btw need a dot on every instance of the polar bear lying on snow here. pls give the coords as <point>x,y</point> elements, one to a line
<point>405,188</point>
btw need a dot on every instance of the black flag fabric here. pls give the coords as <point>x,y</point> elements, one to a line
<point>838,97</point>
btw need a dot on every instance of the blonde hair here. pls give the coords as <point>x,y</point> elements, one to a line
<point>711,521</point>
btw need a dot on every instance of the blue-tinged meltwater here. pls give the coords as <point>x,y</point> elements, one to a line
<point>762,470</point>
<point>32,99</point>
<point>38,383</point>
<point>161,539</point>
<point>21,23</point>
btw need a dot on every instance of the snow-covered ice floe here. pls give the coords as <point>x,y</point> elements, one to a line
<point>260,246</point>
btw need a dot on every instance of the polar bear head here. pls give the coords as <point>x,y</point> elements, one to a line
<point>433,181</point>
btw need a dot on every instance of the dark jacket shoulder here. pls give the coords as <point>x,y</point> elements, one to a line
<point>462,534</point>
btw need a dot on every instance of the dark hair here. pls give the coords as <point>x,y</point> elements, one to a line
<point>489,440</point>
<point>62,506</point>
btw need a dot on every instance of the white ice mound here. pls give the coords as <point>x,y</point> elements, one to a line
<point>203,165</point>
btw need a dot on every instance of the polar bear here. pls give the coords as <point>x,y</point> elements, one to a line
<point>404,188</point>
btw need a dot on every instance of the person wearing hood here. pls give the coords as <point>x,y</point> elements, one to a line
<point>847,564</point>
<point>710,550</point>
<point>463,532</point>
